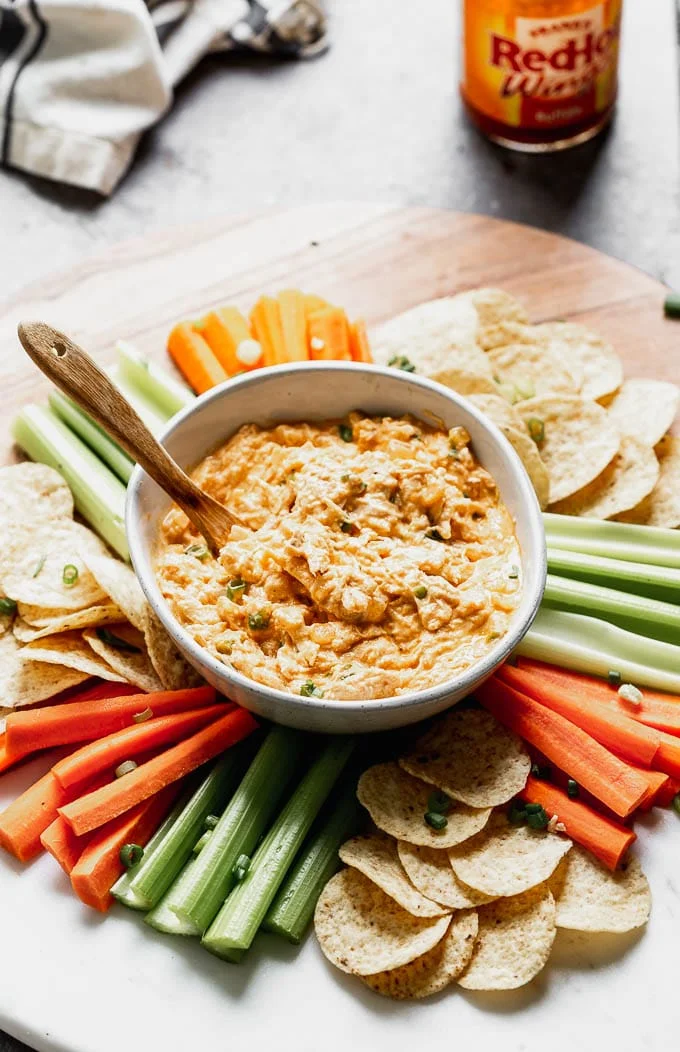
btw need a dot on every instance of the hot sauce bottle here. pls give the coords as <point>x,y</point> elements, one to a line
<point>540,75</point>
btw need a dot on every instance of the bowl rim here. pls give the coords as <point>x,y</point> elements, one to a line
<point>462,684</point>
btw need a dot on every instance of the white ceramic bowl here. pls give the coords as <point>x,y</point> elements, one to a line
<point>326,391</point>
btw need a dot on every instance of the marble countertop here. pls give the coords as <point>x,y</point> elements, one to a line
<point>377,117</point>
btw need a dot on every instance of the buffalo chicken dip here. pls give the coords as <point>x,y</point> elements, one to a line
<point>376,558</point>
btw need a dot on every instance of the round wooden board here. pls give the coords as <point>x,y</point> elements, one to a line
<point>375,260</point>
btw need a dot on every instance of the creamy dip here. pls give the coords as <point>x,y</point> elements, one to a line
<point>378,558</point>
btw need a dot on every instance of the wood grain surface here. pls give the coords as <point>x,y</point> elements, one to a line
<point>373,259</point>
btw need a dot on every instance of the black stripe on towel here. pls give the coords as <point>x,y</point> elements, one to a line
<point>41,34</point>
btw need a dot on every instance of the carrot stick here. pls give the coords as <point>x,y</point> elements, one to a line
<point>106,753</point>
<point>359,347</point>
<point>667,758</point>
<point>26,819</point>
<point>105,804</point>
<point>314,303</point>
<point>294,324</point>
<point>81,721</point>
<point>9,759</point>
<point>328,335</point>
<point>665,795</point>
<point>97,691</point>
<point>194,359</point>
<point>62,843</point>
<point>658,710</point>
<point>656,783</point>
<point>605,838</point>
<point>265,321</point>
<point>604,775</point>
<point>99,865</point>
<point>225,330</point>
<point>612,729</point>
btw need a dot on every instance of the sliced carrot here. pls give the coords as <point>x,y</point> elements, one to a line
<point>665,795</point>
<point>294,324</point>
<point>668,754</point>
<point>314,303</point>
<point>359,347</point>
<point>612,729</point>
<point>105,804</point>
<point>26,819</point>
<point>63,844</point>
<point>81,721</point>
<point>130,743</point>
<point>661,711</point>
<point>194,359</point>
<point>224,330</point>
<point>613,782</point>
<point>265,321</point>
<point>656,783</point>
<point>9,759</point>
<point>99,865</point>
<point>605,838</point>
<point>328,335</point>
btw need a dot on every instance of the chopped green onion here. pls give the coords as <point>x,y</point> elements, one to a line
<point>199,551</point>
<point>516,813</point>
<point>420,592</point>
<point>310,690</point>
<point>241,867</point>
<point>126,767</point>
<point>131,854</point>
<point>39,565</point>
<point>69,575</point>
<point>346,526</point>
<point>235,589</point>
<point>572,789</point>
<point>436,821</point>
<point>542,771</point>
<point>438,803</point>
<point>671,305</point>
<point>346,433</point>
<point>7,606</point>
<point>631,694</point>
<point>533,809</point>
<point>143,716</point>
<point>536,429</point>
<point>524,388</point>
<point>538,819</point>
<point>210,821</point>
<point>400,361</point>
<point>614,677</point>
<point>201,842</point>
<point>514,573</point>
<point>112,640</point>
<point>259,621</point>
<point>675,803</point>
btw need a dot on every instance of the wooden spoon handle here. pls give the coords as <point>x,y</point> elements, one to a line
<point>74,372</point>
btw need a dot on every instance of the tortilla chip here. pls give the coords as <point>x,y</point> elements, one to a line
<point>172,669</point>
<point>579,441</point>
<point>495,311</point>
<point>362,930</point>
<point>645,409</point>
<point>33,493</point>
<point>592,361</point>
<point>514,941</point>
<point>32,562</point>
<point>466,383</point>
<point>70,650</point>
<point>93,615</point>
<point>504,332</point>
<point>118,581</point>
<point>397,803</point>
<point>434,336</point>
<point>662,506</point>
<point>134,667</point>
<point>589,897</point>
<point>506,859</point>
<point>25,683</point>
<point>527,451</point>
<point>530,371</point>
<point>436,969</point>
<point>376,857</point>
<point>471,757</point>
<point>429,869</point>
<point>627,479</point>
<point>498,410</point>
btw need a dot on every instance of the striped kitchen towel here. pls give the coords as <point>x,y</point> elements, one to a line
<point>80,80</point>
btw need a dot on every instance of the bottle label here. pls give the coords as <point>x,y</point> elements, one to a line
<point>540,73</point>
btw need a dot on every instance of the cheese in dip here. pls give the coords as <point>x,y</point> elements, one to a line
<point>378,558</point>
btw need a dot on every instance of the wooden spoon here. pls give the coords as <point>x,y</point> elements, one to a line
<point>74,372</point>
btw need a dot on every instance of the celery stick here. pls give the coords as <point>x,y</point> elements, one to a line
<point>587,644</point>
<point>92,434</point>
<point>291,912</point>
<point>636,613</point>
<point>240,827</point>
<point>657,582</point>
<point>163,918</point>
<point>162,863</point>
<point>616,540</point>
<point>165,393</point>
<point>149,414</point>
<point>121,890</point>
<point>99,496</point>
<point>243,912</point>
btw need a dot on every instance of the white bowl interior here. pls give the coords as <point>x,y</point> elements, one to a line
<point>318,392</point>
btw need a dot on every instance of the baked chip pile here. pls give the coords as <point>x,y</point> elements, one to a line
<point>593,444</point>
<point>71,610</point>
<point>477,901</point>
